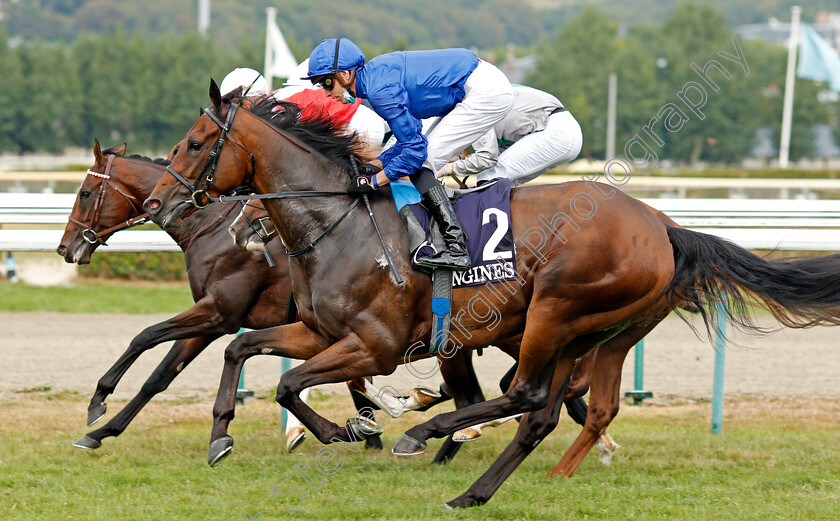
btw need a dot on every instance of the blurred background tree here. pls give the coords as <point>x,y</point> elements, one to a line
<point>138,71</point>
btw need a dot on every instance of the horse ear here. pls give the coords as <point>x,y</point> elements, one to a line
<point>97,152</point>
<point>215,96</point>
<point>116,150</point>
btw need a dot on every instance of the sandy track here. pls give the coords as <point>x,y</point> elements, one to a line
<point>71,351</point>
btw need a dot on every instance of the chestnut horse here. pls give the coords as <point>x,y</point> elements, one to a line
<point>253,229</point>
<point>595,269</point>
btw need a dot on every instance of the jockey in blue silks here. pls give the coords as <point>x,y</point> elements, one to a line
<point>466,95</point>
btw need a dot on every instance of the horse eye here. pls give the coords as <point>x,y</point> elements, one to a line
<point>195,146</point>
<point>85,194</point>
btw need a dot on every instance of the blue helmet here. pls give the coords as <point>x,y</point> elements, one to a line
<point>323,60</point>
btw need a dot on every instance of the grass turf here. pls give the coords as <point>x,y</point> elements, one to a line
<point>96,297</point>
<point>775,460</point>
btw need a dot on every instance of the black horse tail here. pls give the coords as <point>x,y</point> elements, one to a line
<point>798,292</point>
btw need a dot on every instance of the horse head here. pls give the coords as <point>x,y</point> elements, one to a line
<point>106,198</point>
<point>201,167</point>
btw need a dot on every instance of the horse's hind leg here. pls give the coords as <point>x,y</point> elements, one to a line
<point>604,396</point>
<point>459,374</point>
<point>203,318</point>
<point>533,428</point>
<point>544,341</point>
<point>180,356</point>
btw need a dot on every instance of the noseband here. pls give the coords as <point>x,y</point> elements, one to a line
<point>259,227</point>
<point>88,234</point>
<point>208,173</point>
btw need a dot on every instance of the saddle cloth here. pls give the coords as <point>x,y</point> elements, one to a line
<point>485,217</point>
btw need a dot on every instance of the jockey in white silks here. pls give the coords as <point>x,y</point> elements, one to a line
<point>535,136</point>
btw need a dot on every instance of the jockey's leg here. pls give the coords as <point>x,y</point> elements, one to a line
<point>455,256</point>
<point>538,152</point>
<point>488,98</point>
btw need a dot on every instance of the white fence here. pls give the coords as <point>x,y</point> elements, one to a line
<point>52,209</point>
<point>757,224</point>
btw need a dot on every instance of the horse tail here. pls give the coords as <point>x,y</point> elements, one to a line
<point>799,293</point>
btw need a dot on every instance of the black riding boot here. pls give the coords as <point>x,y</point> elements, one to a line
<point>455,256</point>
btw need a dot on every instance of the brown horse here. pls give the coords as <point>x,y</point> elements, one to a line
<point>595,268</point>
<point>253,228</point>
<point>232,288</point>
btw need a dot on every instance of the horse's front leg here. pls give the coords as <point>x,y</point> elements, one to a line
<point>202,319</point>
<point>179,357</point>
<point>292,341</point>
<point>347,359</point>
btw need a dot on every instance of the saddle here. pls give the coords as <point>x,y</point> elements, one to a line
<point>484,213</point>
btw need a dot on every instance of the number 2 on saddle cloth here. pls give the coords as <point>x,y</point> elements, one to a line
<point>484,215</point>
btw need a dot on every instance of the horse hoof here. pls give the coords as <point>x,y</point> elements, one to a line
<point>364,427</point>
<point>88,443</point>
<point>408,446</point>
<point>219,449</point>
<point>606,448</point>
<point>466,435</point>
<point>374,443</point>
<point>96,412</point>
<point>294,439</point>
<point>425,395</point>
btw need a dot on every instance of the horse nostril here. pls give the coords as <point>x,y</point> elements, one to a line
<point>61,250</point>
<point>152,204</point>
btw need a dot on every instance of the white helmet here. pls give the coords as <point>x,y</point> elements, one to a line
<point>245,78</point>
<point>300,71</point>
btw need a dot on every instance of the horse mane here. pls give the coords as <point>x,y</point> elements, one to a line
<point>157,160</point>
<point>317,130</point>
<point>113,151</point>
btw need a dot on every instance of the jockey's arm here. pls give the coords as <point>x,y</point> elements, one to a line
<point>486,155</point>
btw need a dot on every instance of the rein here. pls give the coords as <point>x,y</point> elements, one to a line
<point>208,175</point>
<point>88,234</point>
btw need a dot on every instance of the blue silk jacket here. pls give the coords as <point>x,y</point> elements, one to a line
<point>407,86</point>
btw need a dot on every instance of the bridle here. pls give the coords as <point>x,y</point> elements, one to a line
<point>259,226</point>
<point>208,173</point>
<point>88,233</point>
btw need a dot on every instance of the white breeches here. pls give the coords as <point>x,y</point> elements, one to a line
<point>488,98</point>
<point>539,152</point>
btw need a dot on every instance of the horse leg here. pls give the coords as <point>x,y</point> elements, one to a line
<point>576,406</point>
<point>604,396</point>
<point>180,356</point>
<point>292,341</point>
<point>529,390</point>
<point>203,318</point>
<point>365,407</point>
<point>459,374</point>
<point>344,360</point>
<point>577,388</point>
<point>533,428</point>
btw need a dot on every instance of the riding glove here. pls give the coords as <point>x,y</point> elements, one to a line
<point>362,185</point>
